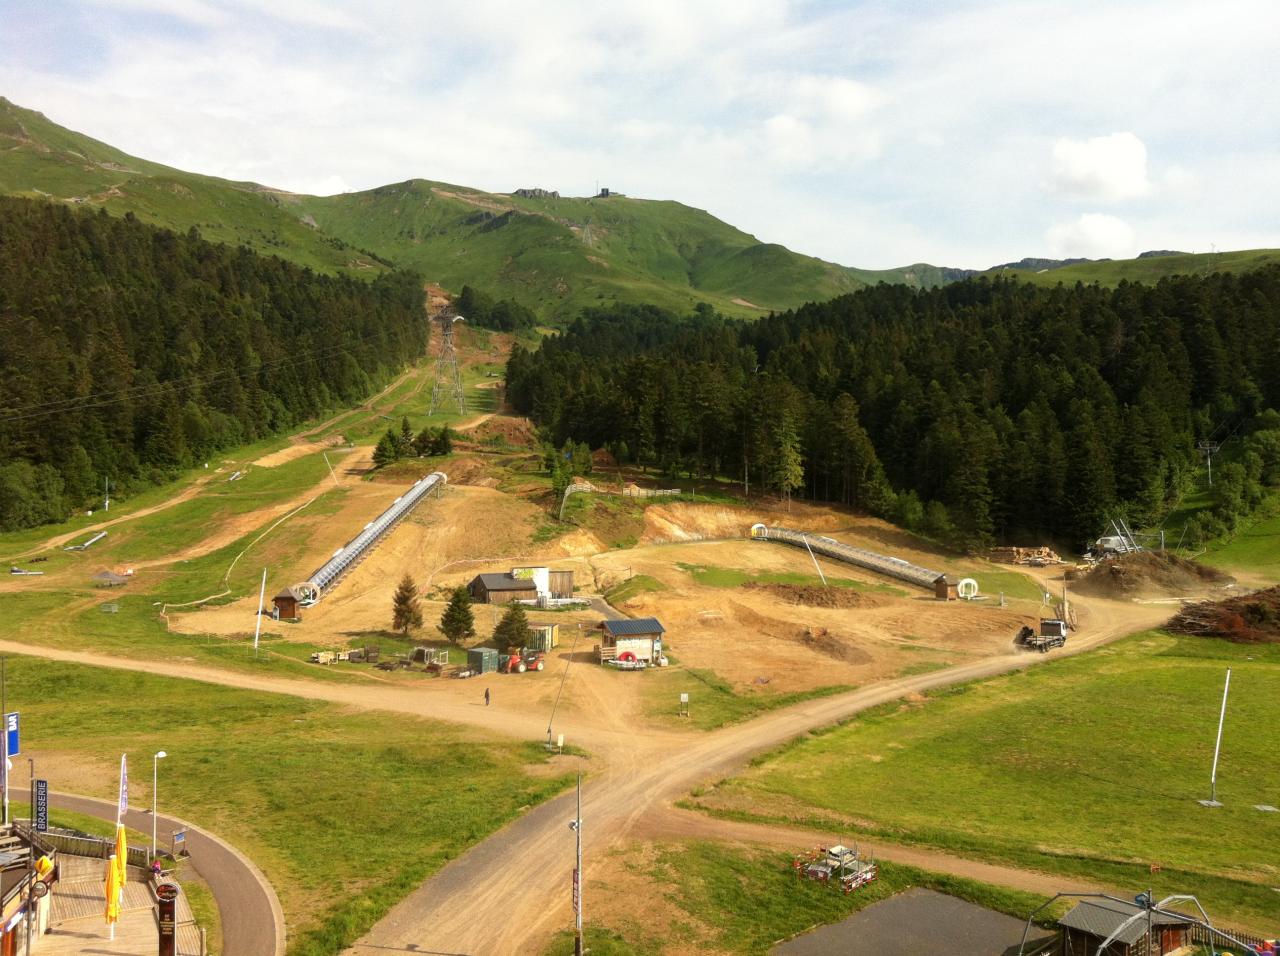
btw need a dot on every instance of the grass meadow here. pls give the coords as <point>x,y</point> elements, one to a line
<point>345,812</point>
<point>1088,766</point>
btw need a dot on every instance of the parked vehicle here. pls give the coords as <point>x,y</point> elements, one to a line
<point>526,660</point>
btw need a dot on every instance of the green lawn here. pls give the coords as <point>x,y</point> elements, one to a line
<point>745,900</point>
<point>1255,548</point>
<point>635,585</point>
<point>713,702</point>
<point>718,577</point>
<point>1089,766</point>
<point>345,812</point>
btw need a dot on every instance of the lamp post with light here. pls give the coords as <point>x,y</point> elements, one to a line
<point>155,774</point>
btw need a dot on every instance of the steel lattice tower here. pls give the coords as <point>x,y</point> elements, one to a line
<point>448,378</point>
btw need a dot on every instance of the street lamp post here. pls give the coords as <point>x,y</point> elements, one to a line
<point>155,775</point>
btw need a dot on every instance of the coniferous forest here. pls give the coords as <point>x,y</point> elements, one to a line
<point>983,410</point>
<point>129,352</point>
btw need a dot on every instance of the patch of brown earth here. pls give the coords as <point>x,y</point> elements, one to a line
<point>812,595</point>
<point>1149,572</point>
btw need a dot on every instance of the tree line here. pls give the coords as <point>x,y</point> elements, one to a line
<point>132,352</point>
<point>986,409</point>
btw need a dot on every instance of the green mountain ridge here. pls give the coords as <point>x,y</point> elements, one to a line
<point>554,254</point>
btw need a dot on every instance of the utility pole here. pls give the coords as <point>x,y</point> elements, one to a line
<point>448,378</point>
<point>577,876</point>
<point>1209,449</point>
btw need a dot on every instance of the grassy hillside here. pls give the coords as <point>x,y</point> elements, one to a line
<point>41,159</point>
<point>1149,270</point>
<point>557,255</point>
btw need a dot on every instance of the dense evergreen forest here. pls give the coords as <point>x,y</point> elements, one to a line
<point>987,409</point>
<point>130,352</point>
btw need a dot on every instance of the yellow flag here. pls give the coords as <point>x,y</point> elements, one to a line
<point>121,857</point>
<point>112,912</point>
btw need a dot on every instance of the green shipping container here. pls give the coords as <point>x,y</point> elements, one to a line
<point>482,660</point>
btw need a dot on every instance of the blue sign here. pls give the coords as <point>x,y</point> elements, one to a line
<point>42,806</point>
<point>11,725</point>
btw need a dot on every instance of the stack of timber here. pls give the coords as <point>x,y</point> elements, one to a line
<point>1031,557</point>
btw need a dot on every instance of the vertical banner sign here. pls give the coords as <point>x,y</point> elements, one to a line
<point>42,806</point>
<point>167,897</point>
<point>124,788</point>
<point>11,728</point>
<point>575,889</point>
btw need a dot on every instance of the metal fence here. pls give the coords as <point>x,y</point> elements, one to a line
<point>1202,934</point>
<point>79,844</point>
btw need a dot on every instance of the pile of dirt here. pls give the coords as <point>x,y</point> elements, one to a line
<point>1245,619</point>
<point>822,641</point>
<point>1149,572</point>
<point>810,595</point>
<point>503,430</point>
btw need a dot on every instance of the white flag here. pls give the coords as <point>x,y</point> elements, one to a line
<point>124,788</point>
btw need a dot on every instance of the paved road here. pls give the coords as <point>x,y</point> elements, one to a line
<point>252,920</point>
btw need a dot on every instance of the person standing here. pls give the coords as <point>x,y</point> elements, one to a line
<point>486,697</point>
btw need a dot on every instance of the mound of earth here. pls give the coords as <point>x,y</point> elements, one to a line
<point>1149,572</point>
<point>505,430</point>
<point>810,595</point>
<point>1246,619</point>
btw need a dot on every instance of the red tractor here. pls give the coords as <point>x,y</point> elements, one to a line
<point>524,661</point>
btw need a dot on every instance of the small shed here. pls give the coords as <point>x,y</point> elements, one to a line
<point>482,660</point>
<point>288,605</point>
<point>640,637</point>
<point>109,579</point>
<point>946,588</point>
<point>501,589</point>
<point>1092,922</point>
<point>543,637</point>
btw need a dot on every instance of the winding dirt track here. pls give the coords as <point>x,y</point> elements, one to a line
<point>480,903</point>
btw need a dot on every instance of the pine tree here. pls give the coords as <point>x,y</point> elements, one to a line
<point>788,467</point>
<point>458,623</point>
<point>513,628</point>
<point>387,451</point>
<point>444,441</point>
<point>406,609</point>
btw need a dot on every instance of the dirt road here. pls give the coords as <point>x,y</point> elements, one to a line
<point>480,904</point>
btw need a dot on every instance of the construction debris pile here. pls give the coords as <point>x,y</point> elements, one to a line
<point>1030,557</point>
<point>1149,572</point>
<point>810,595</point>
<point>1245,619</point>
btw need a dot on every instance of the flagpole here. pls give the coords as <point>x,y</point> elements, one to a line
<point>4,758</point>
<point>257,626</point>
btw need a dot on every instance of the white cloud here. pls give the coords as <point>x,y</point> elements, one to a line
<point>862,132</point>
<point>1093,235</point>
<point>1101,169</point>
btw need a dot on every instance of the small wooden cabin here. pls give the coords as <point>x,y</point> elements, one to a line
<point>640,637</point>
<point>501,589</point>
<point>288,605</point>
<point>1091,922</point>
<point>945,588</point>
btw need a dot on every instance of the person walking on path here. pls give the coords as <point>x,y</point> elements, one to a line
<point>486,697</point>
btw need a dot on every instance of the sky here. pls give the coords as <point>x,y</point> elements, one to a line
<point>870,134</point>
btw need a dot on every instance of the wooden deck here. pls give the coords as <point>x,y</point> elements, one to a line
<point>76,925</point>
